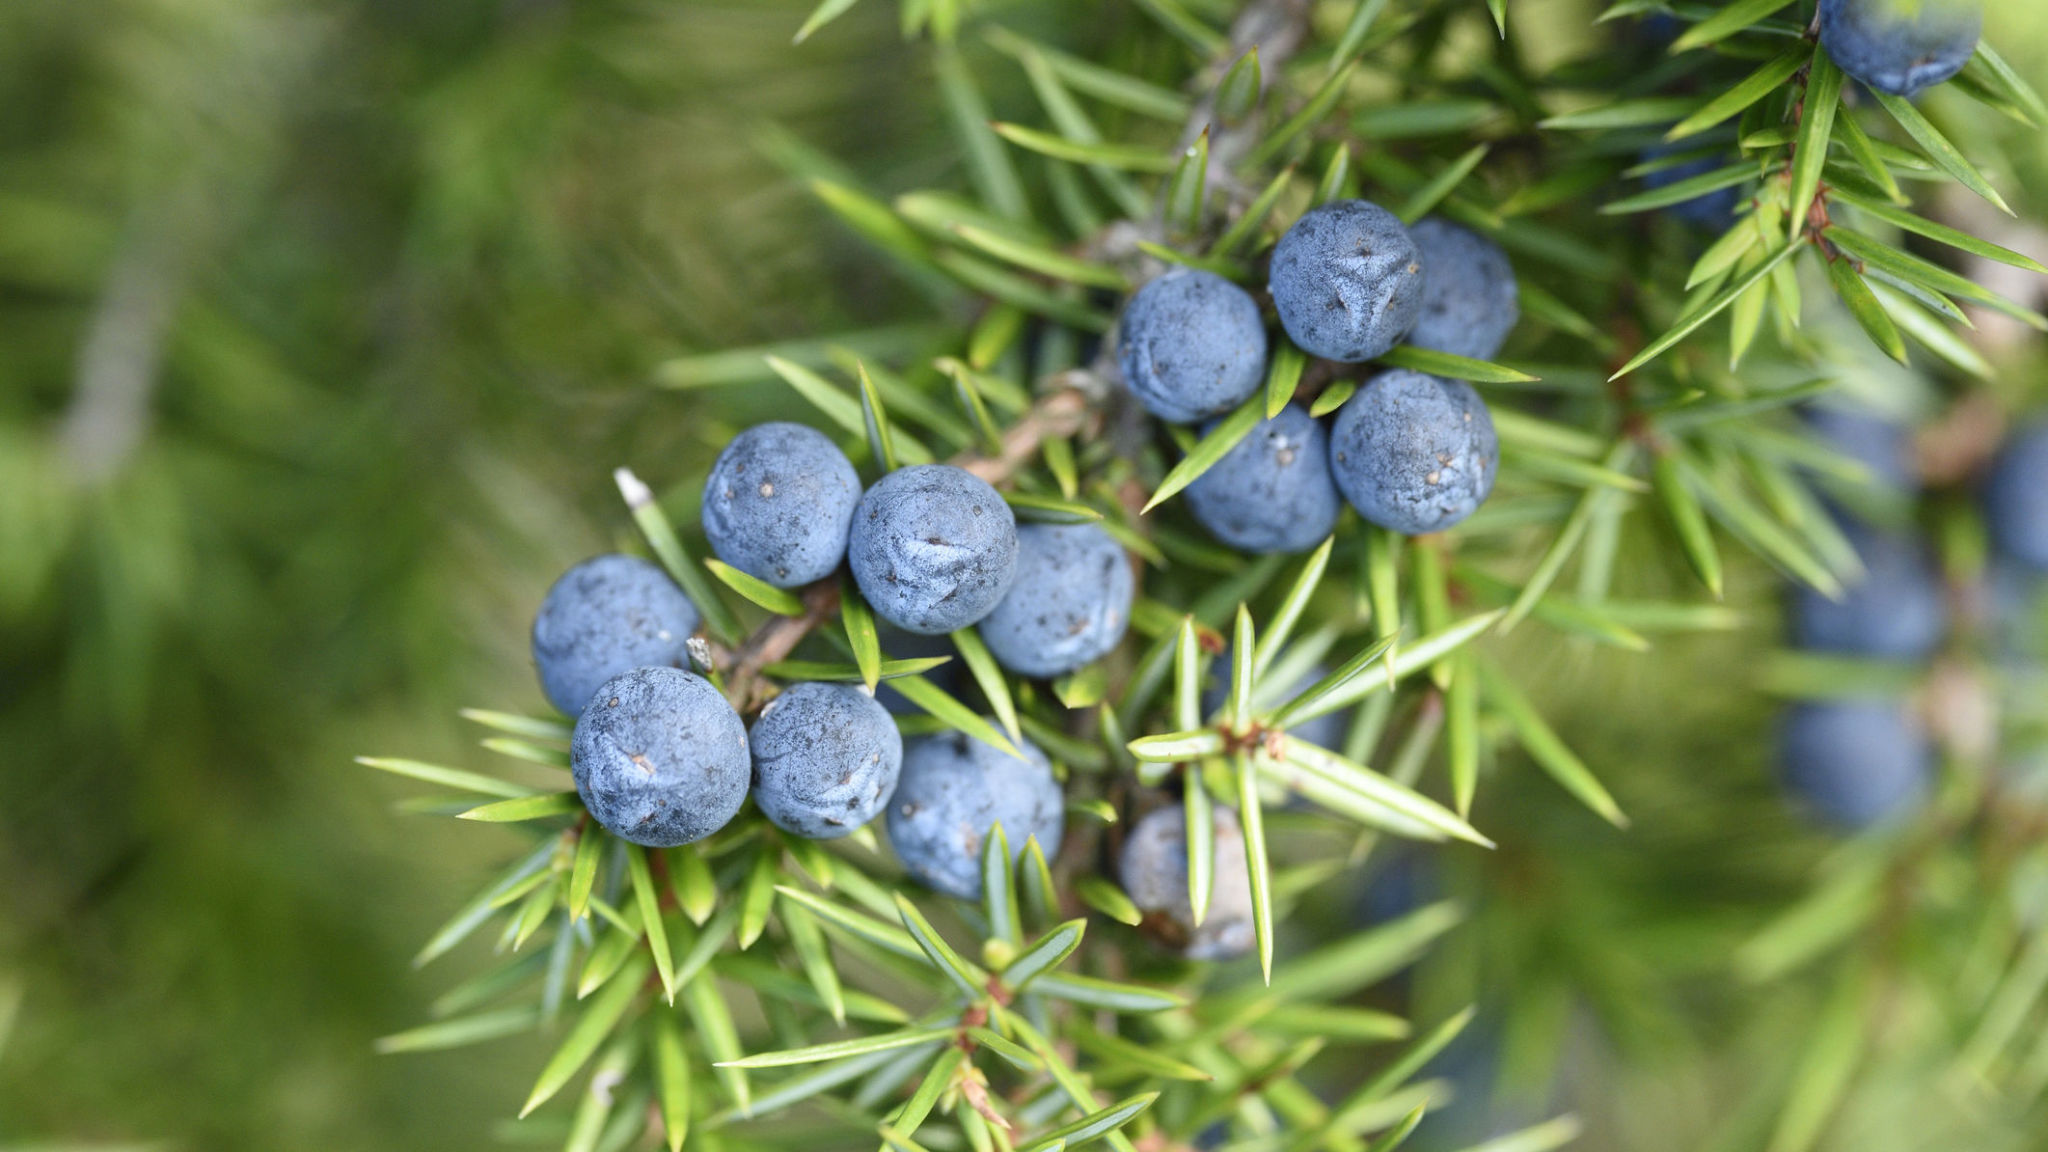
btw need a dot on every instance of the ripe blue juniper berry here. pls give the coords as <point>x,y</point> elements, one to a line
<point>1070,602</point>
<point>1191,345</point>
<point>1897,611</point>
<point>1855,763</point>
<point>1883,446</point>
<point>1469,299</point>
<point>1901,47</point>
<point>779,502</point>
<point>933,547</point>
<point>1414,453</point>
<point>607,615</point>
<point>660,757</point>
<point>2016,497</point>
<point>1154,868</point>
<point>1347,281</point>
<point>953,789</point>
<point>826,757</point>
<point>1272,492</point>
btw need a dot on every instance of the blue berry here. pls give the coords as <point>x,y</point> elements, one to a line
<point>952,791</point>
<point>2016,497</point>
<point>1414,453</point>
<point>660,758</point>
<point>1884,447</point>
<point>1069,604</point>
<point>1709,210</point>
<point>1469,299</point>
<point>1347,281</point>
<point>1898,611</point>
<point>933,547</point>
<point>1901,46</point>
<point>608,615</point>
<point>826,757</point>
<point>1191,345</point>
<point>1273,491</point>
<point>1855,763</point>
<point>1154,868</point>
<point>779,502</point>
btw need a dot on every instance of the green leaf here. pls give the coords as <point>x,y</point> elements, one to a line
<point>1938,149</point>
<point>527,750</point>
<point>671,1080</point>
<point>1105,84</point>
<point>1451,367</point>
<point>1834,1046</point>
<point>1251,814</point>
<point>815,957</point>
<point>883,935</point>
<point>1049,952</point>
<point>532,727</point>
<point>720,1037</point>
<point>1304,704</point>
<point>1998,76</point>
<point>1200,826</point>
<point>1363,16</point>
<point>1094,993</point>
<point>1084,687</point>
<point>1177,746</point>
<point>1237,703</point>
<point>795,670</point>
<point>690,880</point>
<point>1058,454</point>
<point>874,423</point>
<point>1050,510</point>
<point>590,1031</point>
<point>1282,376</point>
<point>1118,156</point>
<point>1865,152</point>
<point>1932,277</point>
<point>1691,321</point>
<point>1862,304</point>
<point>841,1049</point>
<point>999,887</point>
<point>649,899</point>
<point>1461,733</point>
<point>461,1031</point>
<point>1238,94</point>
<point>447,777</point>
<point>1247,226</point>
<point>1186,191</point>
<point>1226,435</point>
<point>661,536</point>
<point>1542,744</point>
<point>933,700</point>
<point>1176,19</point>
<point>1754,87</point>
<point>969,977</point>
<point>1310,114</point>
<point>525,808</point>
<point>1405,804</point>
<point>1544,1137</point>
<point>875,221</point>
<point>1107,899</point>
<point>826,12</point>
<point>988,164</point>
<point>862,635</point>
<point>1116,1053</point>
<point>1409,660</point>
<point>1941,233</point>
<point>992,280</point>
<point>1043,260</point>
<point>1336,179</point>
<point>1093,1126</point>
<point>1425,199</point>
<point>757,897</point>
<point>759,592</point>
<point>1688,521</point>
<point>583,871</point>
<point>1680,191</point>
<point>1816,126</point>
<point>934,1085</point>
<point>1333,397</point>
<point>1737,17</point>
<point>1288,614</point>
<point>988,676</point>
<point>1640,112</point>
<point>1412,1060</point>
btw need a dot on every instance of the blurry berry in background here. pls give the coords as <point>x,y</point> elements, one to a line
<point>1857,763</point>
<point>1154,868</point>
<point>1897,611</point>
<point>2016,497</point>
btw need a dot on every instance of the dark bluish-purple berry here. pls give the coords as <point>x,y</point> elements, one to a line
<point>933,547</point>
<point>1347,281</point>
<point>1855,763</point>
<point>1191,345</point>
<point>953,789</point>
<point>1901,47</point>
<point>1897,611</point>
<point>1154,868</point>
<point>1414,453</point>
<point>779,502</point>
<point>660,757</point>
<point>2016,497</point>
<point>1069,604</point>
<point>1273,491</point>
<point>607,615</point>
<point>1469,299</point>
<point>826,758</point>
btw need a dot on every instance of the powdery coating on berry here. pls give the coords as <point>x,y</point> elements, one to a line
<point>1347,281</point>
<point>1901,46</point>
<point>1414,453</point>
<point>1855,763</point>
<point>826,758</point>
<point>1710,210</point>
<point>1898,611</point>
<point>952,791</point>
<point>660,758</point>
<point>1191,345</point>
<point>779,502</point>
<point>933,547</point>
<point>1069,604</point>
<point>1884,447</point>
<point>607,615</point>
<point>1154,868</point>
<point>1469,299</point>
<point>2016,497</point>
<point>1273,491</point>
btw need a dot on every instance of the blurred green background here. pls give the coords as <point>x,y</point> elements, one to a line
<point>322,324</point>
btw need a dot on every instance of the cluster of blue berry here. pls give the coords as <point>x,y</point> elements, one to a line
<point>1412,452</point>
